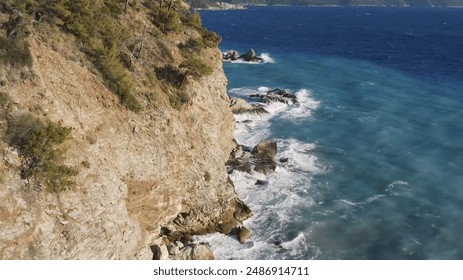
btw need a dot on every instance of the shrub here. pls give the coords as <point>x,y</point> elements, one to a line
<point>95,24</point>
<point>196,67</point>
<point>15,52</point>
<point>191,46</point>
<point>42,153</point>
<point>170,74</point>
<point>193,20</point>
<point>120,82</point>
<point>166,20</point>
<point>210,39</point>
<point>165,52</point>
<point>5,104</point>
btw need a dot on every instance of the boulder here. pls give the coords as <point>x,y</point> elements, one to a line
<point>265,167</point>
<point>241,106</point>
<point>265,149</point>
<point>264,154</point>
<point>261,183</point>
<point>276,95</point>
<point>242,211</point>
<point>243,234</point>
<point>250,56</point>
<point>230,55</point>
<point>192,251</point>
<point>226,227</point>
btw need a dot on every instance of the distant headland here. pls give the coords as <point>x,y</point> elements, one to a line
<point>241,4</point>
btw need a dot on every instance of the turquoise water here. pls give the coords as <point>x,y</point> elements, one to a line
<point>375,146</point>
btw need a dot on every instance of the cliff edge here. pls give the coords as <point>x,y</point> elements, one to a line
<point>142,175</point>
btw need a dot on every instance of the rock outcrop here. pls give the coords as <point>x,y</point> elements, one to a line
<point>276,95</point>
<point>243,234</point>
<point>240,106</point>
<point>250,56</point>
<point>261,159</point>
<point>231,55</point>
<point>265,153</point>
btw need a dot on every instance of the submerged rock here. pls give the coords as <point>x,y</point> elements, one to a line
<point>260,183</point>
<point>243,234</point>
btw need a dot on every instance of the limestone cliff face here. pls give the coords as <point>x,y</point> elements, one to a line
<point>161,171</point>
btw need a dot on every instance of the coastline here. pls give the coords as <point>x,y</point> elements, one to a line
<point>220,6</point>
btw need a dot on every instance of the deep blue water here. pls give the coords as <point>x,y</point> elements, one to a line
<point>375,167</point>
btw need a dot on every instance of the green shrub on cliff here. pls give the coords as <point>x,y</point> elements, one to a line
<point>167,20</point>
<point>193,20</point>
<point>5,104</point>
<point>170,75</point>
<point>42,153</point>
<point>210,39</point>
<point>196,68</point>
<point>191,46</point>
<point>95,24</point>
<point>15,52</point>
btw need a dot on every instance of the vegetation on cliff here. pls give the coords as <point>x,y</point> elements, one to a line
<point>42,152</point>
<point>113,35</point>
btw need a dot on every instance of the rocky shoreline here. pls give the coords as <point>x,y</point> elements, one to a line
<point>177,243</point>
<point>262,158</point>
<point>220,6</point>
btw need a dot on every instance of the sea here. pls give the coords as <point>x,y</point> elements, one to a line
<point>370,160</point>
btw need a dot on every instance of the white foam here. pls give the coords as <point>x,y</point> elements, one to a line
<point>299,157</point>
<point>239,61</point>
<point>277,205</point>
<point>350,203</point>
<point>266,58</point>
<point>364,202</point>
<point>253,128</point>
<point>374,198</point>
<point>394,185</point>
<point>306,105</point>
<point>264,89</point>
<point>246,91</point>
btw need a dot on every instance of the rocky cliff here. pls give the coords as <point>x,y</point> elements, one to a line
<point>144,178</point>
